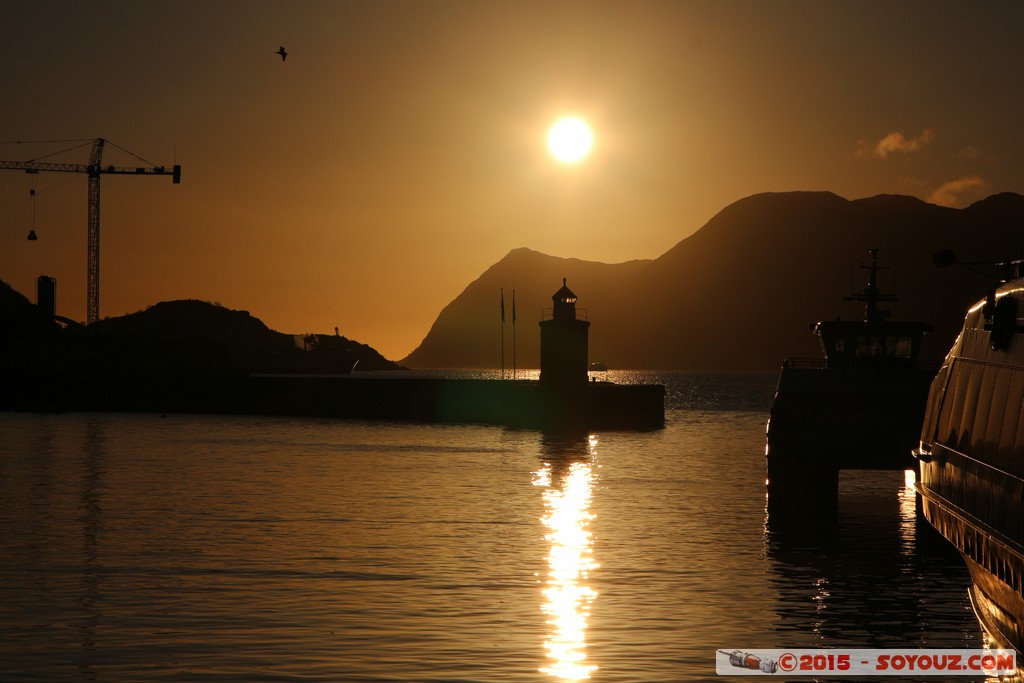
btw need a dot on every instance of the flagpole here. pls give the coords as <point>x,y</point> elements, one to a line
<point>513,334</point>
<point>503,333</point>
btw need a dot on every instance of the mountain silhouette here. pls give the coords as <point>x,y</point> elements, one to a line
<point>185,336</point>
<point>740,293</point>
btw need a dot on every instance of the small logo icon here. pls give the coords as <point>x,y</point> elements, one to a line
<point>745,660</point>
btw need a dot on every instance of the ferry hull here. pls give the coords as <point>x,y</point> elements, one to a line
<point>824,420</point>
<point>971,457</point>
<point>978,509</point>
<point>859,419</point>
<point>997,607</point>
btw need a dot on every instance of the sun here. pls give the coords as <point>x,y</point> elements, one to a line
<point>570,139</point>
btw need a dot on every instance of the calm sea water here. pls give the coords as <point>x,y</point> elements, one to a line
<point>199,548</point>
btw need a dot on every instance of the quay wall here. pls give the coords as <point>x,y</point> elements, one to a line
<point>513,403</point>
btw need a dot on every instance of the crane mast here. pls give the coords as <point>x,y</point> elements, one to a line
<point>94,169</point>
<point>92,313</point>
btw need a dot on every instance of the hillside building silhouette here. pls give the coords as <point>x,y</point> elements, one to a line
<point>46,295</point>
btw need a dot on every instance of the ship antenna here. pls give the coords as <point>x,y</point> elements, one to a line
<point>871,294</point>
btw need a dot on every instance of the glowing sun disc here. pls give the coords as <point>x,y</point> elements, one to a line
<point>570,139</point>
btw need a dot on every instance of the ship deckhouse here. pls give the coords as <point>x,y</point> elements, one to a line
<point>873,341</point>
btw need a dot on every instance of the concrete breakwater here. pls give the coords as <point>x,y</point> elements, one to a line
<point>513,403</point>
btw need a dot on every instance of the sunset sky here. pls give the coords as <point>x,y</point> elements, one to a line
<point>400,150</point>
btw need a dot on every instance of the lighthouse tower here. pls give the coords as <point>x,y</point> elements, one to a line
<point>563,342</point>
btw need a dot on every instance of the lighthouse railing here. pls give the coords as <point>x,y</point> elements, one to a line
<point>549,314</point>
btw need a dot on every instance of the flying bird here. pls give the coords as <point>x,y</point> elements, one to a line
<point>280,51</point>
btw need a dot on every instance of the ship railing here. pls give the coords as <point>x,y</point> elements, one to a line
<point>822,363</point>
<point>805,363</point>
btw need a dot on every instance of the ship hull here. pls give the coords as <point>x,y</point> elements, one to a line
<point>824,420</point>
<point>996,607</point>
<point>977,507</point>
<point>971,454</point>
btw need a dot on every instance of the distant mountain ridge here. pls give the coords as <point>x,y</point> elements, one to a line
<point>739,294</point>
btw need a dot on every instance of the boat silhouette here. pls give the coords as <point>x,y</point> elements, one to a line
<point>858,406</point>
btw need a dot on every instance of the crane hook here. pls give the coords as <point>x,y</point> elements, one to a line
<point>32,237</point>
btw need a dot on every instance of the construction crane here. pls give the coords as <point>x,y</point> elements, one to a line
<point>94,169</point>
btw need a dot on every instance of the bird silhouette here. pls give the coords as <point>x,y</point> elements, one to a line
<point>280,51</point>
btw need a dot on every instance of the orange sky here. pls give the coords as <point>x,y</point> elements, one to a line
<point>399,151</point>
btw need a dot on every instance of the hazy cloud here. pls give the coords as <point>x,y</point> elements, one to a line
<point>892,143</point>
<point>959,193</point>
<point>912,185</point>
<point>969,153</point>
<point>896,142</point>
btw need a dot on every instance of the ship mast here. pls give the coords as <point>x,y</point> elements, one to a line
<point>871,294</point>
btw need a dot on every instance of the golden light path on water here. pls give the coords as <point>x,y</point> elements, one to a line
<point>908,511</point>
<point>568,489</point>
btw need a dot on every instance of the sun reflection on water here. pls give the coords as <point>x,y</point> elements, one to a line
<point>568,488</point>
<point>908,512</point>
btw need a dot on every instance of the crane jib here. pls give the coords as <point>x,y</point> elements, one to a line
<point>94,169</point>
<point>36,167</point>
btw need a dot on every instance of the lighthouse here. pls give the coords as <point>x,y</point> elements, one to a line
<point>563,342</point>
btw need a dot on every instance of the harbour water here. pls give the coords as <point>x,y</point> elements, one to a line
<point>203,548</point>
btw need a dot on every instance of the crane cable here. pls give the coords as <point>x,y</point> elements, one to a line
<point>114,144</point>
<point>32,208</point>
<point>32,194</point>
<point>82,143</point>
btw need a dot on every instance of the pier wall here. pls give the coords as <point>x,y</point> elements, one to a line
<point>513,403</point>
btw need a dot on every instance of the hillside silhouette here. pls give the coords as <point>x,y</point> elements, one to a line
<point>174,336</point>
<point>740,293</point>
<point>248,342</point>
